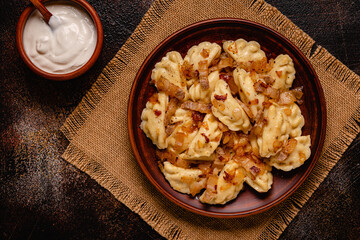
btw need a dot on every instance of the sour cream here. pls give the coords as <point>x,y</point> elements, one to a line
<point>65,44</point>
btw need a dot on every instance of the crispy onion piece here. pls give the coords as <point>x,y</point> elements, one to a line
<point>224,61</point>
<point>229,79</point>
<point>219,163</point>
<point>211,184</point>
<point>260,86</point>
<point>254,170</point>
<point>228,177</point>
<point>223,155</point>
<point>203,75</point>
<point>259,125</point>
<point>197,116</point>
<point>206,137</point>
<point>261,66</point>
<point>290,146</point>
<point>182,163</point>
<point>205,167</point>
<point>242,141</point>
<point>286,98</point>
<point>272,92</point>
<point>254,102</point>
<point>157,112</point>
<point>238,142</point>
<point>179,140</point>
<point>187,71</point>
<point>281,157</point>
<point>208,196</point>
<point>197,106</point>
<point>228,139</point>
<point>300,101</point>
<point>220,97</point>
<point>246,108</point>
<point>253,75</point>
<point>166,156</point>
<point>298,93</point>
<point>269,80</point>
<point>277,145</point>
<point>154,98</point>
<point>266,89</point>
<point>302,157</point>
<point>205,53</point>
<point>266,103</point>
<point>173,158</point>
<point>250,164</point>
<point>214,65</point>
<point>223,127</point>
<point>171,109</point>
<point>242,145</point>
<point>220,152</point>
<point>169,88</point>
<point>196,187</point>
<point>192,127</point>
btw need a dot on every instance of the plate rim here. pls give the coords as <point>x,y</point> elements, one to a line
<point>318,150</point>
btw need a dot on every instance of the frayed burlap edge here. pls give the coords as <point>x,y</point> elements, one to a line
<point>156,219</point>
<point>271,17</point>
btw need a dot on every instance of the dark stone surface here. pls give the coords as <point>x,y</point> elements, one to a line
<point>43,197</point>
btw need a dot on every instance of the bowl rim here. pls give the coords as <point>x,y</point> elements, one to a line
<point>318,148</point>
<point>62,76</point>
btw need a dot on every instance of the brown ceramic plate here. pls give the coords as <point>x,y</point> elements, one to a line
<point>216,30</point>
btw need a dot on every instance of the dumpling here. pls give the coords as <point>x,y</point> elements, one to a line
<point>247,91</point>
<point>297,158</point>
<point>275,132</point>
<point>257,173</point>
<point>242,51</point>
<point>283,72</point>
<point>169,69</point>
<point>283,122</point>
<point>229,184</point>
<point>205,51</point>
<point>153,120</point>
<point>227,109</point>
<point>262,182</point>
<point>181,179</point>
<point>295,119</point>
<point>184,133</point>
<point>206,140</point>
<point>197,93</point>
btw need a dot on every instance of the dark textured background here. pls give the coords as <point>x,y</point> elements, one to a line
<point>43,197</point>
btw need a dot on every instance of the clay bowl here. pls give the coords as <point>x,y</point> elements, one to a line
<point>215,30</point>
<point>65,76</point>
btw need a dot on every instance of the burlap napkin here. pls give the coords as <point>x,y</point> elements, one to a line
<point>98,136</point>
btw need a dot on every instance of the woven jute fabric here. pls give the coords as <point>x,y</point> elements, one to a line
<point>98,134</point>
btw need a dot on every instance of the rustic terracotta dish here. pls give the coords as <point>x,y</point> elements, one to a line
<point>66,76</point>
<point>215,30</point>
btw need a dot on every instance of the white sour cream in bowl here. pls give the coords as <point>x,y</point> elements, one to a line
<point>65,44</point>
